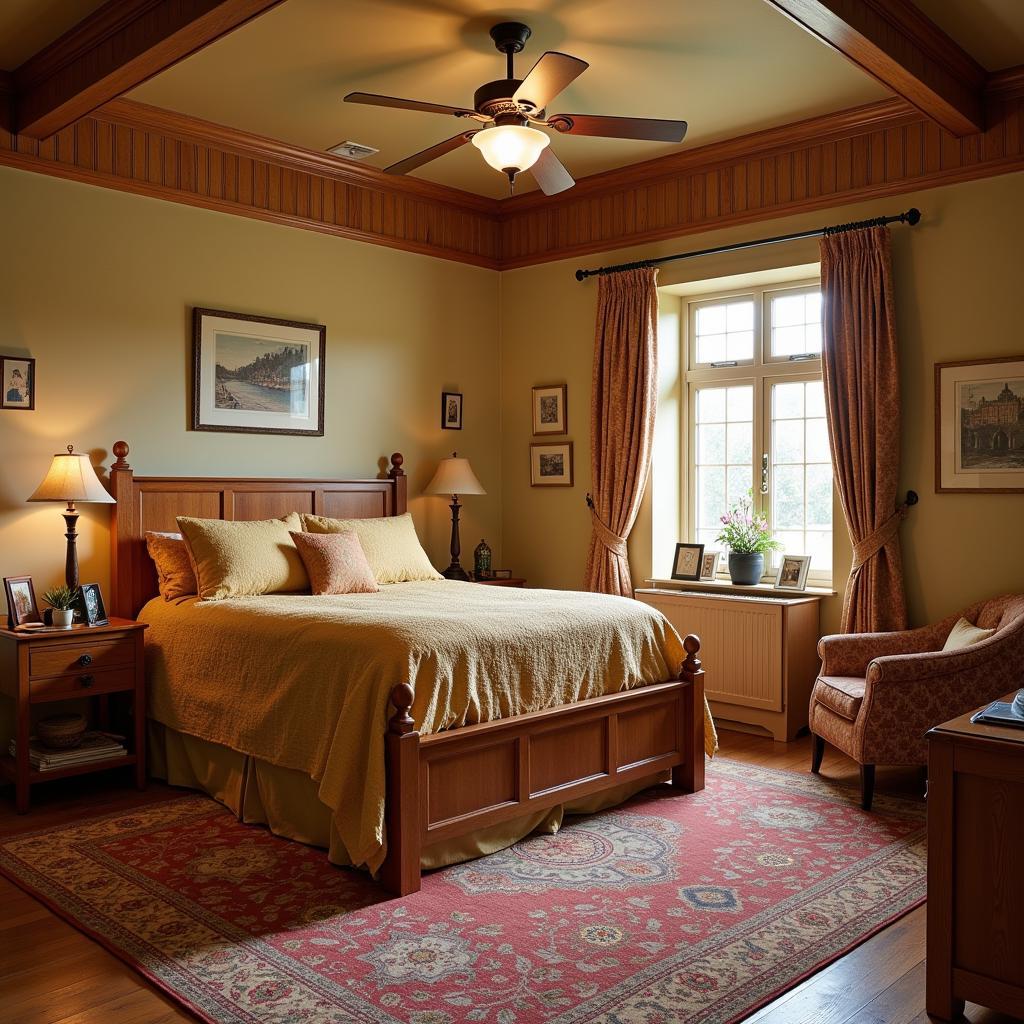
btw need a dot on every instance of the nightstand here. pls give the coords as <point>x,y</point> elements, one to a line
<point>515,581</point>
<point>96,661</point>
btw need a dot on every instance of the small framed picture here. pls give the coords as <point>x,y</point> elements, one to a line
<point>451,410</point>
<point>21,601</point>
<point>549,409</point>
<point>792,573</point>
<point>709,564</point>
<point>18,380</point>
<point>551,465</point>
<point>501,574</point>
<point>689,562</point>
<point>90,608</point>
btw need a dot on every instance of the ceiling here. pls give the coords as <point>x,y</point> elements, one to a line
<point>728,67</point>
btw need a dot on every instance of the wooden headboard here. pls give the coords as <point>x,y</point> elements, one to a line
<point>144,503</point>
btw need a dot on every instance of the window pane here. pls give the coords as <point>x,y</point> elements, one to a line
<point>711,405</point>
<point>711,348</point>
<point>819,496</point>
<point>787,401</point>
<point>813,339</point>
<point>740,345</point>
<point>725,332</point>
<point>788,497</point>
<point>815,398</point>
<point>787,341</point>
<point>789,441</point>
<point>817,441</point>
<point>711,320</point>
<point>788,311</point>
<point>740,403</point>
<point>739,443</point>
<point>710,495</point>
<point>711,444</point>
<point>795,324</point>
<point>819,546</point>
<point>739,484</point>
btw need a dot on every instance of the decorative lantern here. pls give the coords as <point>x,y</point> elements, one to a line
<point>482,561</point>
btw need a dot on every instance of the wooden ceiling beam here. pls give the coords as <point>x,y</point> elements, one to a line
<point>905,51</point>
<point>114,49</point>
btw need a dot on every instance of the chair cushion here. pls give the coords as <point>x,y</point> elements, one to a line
<point>841,694</point>
<point>965,634</point>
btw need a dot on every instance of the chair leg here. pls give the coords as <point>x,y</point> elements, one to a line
<point>867,785</point>
<point>817,752</point>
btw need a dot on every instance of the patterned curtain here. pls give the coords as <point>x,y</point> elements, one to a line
<point>862,402</point>
<point>623,404</point>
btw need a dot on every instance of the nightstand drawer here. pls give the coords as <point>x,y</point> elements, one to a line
<point>82,684</point>
<point>64,658</point>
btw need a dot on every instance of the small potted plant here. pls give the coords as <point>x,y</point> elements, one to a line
<point>62,600</point>
<point>748,538</point>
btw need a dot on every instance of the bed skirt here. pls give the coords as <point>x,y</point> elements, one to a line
<point>286,800</point>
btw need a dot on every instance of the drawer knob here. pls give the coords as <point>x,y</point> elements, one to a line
<point>87,681</point>
<point>85,659</point>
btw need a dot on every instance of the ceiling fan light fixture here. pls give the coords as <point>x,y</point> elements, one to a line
<point>511,148</point>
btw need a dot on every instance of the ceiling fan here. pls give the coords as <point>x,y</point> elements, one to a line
<point>509,108</point>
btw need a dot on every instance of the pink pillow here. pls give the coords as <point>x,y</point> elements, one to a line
<point>336,563</point>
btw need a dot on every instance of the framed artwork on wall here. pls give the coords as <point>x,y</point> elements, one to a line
<point>979,425</point>
<point>257,375</point>
<point>451,410</point>
<point>18,381</point>
<point>688,562</point>
<point>549,409</point>
<point>551,464</point>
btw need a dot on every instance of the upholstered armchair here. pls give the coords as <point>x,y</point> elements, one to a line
<point>879,693</point>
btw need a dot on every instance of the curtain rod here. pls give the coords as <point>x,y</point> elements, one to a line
<point>911,217</point>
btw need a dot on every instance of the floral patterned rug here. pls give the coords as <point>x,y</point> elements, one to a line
<point>668,909</point>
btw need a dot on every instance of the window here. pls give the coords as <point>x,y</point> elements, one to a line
<point>757,418</point>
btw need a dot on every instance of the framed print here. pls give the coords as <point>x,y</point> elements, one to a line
<point>257,375</point>
<point>688,562</point>
<point>18,380</point>
<point>709,564</point>
<point>551,464</point>
<point>979,425</point>
<point>451,410</point>
<point>792,574</point>
<point>90,608</point>
<point>21,601</point>
<point>549,409</point>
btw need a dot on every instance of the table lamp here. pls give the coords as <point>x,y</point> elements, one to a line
<point>455,476</point>
<point>71,478</point>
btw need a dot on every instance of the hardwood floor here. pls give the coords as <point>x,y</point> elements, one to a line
<point>52,974</point>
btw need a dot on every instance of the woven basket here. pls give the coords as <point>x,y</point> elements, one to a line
<point>61,732</point>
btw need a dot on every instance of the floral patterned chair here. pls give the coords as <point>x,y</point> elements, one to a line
<point>879,693</point>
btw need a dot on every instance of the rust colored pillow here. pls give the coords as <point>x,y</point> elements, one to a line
<point>336,563</point>
<point>174,573</point>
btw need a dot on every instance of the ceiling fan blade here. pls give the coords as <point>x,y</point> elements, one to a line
<point>648,129</point>
<point>373,100</point>
<point>424,156</point>
<point>550,173</point>
<point>547,78</point>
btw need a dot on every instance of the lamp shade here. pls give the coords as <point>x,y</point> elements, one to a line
<point>454,476</point>
<point>71,478</point>
<point>510,147</point>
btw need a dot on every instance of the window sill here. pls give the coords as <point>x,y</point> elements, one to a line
<point>727,587</point>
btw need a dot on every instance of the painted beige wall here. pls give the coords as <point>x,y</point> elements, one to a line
<point>957,278</point>
<point>97,286</point>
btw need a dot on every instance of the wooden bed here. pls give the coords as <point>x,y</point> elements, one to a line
<point>451,783</point>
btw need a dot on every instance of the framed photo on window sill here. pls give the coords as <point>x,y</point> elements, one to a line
<point>688,563</point>
<point>792,574</point>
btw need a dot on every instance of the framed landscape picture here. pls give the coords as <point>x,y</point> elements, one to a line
<point>979,425</point>
<point>257,375</point>
<point>551,464</point>
<point>549,409</point>
<point>18,380</point>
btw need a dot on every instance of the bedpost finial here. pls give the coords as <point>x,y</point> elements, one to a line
<point>402,722</point>
<point>396,465</point>
<point>121,451</point>
<point>691,644</point>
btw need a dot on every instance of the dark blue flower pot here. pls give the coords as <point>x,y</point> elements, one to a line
<point>746,569</point>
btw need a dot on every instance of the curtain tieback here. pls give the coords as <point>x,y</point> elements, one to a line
<point>875,541</point>
<point>611,540</point>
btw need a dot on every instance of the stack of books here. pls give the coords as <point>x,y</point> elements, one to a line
<point>95,746</point>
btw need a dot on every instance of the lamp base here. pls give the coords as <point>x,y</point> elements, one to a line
<point>455,572</point>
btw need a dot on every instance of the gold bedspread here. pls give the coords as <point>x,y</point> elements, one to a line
<point>304,682</point>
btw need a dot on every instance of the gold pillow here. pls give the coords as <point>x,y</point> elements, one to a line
<point>335,563</point>
<point>174,573</point>
<point>240,559</point>
<point>965,634</point>
<point>390,544</point>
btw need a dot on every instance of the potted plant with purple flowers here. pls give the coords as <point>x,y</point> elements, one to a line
<point>747,536</point>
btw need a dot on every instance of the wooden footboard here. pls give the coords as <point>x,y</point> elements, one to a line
<point>455,782</point>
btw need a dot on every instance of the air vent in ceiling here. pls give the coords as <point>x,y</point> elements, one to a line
<point>352,150</point>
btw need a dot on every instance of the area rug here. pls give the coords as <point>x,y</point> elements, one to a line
<point>668,909</point>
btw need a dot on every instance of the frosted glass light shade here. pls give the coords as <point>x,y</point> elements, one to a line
<point>510,146</point>
<point>71,478</point>
<point>454,476</point>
